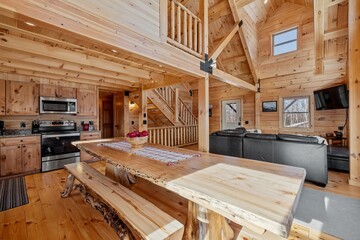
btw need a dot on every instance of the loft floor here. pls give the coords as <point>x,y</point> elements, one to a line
<point>48,216</point>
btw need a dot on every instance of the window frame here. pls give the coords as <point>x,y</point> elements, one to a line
<point>311,112</point>
<point>284,31</point>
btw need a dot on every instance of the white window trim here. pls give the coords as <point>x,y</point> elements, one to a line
<point>284,30</point>
<point>311,111</point>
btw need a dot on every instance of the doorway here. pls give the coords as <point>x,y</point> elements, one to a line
<point>231,113</point>
<point>106,116</point>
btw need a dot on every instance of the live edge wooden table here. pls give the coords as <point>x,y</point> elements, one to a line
<point>261,197</point>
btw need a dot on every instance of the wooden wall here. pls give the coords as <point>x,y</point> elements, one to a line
<point>292,74</point>
<point>13,122</point>
<point>227,92</point>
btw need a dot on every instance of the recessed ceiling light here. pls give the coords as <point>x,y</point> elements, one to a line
<point>30,24</point>
<point>113,50</point>
<point>265,1</point>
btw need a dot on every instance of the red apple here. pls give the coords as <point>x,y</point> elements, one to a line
<point>144,133</point>
<point>137,133</point>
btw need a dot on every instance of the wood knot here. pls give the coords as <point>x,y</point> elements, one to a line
<point>4,40</point>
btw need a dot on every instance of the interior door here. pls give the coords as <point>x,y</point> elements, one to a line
<point>107,118</point>
<point>230,114</point>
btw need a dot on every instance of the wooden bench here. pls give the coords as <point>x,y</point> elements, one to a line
<point>132,216</point>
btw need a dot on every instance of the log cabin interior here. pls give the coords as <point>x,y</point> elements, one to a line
<point>179,119</point>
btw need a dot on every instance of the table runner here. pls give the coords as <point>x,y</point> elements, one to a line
<point>165,156</point>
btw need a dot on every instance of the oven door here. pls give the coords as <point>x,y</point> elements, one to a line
<point>58,146</point>
<point>58,105</point>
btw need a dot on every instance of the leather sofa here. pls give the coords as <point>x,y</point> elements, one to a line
<point>287,149</point>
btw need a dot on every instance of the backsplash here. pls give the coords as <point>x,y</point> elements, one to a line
<point>14,122</point>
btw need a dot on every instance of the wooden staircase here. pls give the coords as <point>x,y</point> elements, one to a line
<point>168,101</point>
<point>171,120</point>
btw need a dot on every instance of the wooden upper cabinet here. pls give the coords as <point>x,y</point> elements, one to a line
<point>67,92</point>
<point>2,97</point>
<point>86,102</point>
<point>22,98</point>
<point>57,91</point>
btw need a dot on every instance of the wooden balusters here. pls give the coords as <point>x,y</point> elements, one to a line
<point>185,29</point>
<point>174,135</point>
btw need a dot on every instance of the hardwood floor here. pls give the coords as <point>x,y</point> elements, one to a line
<point>48,216</point>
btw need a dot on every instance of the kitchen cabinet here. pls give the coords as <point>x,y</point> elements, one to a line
<point>21,98</point>
<point>2,97</point>
<point>86,102</point>
<point>57,91</point>
<point>19,155</point>
<point>88,136</point>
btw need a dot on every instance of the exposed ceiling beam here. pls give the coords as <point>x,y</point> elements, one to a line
<point>222,44</point>
<point>167,81</point>
<point>21,44</point>
<point>64,15</point>
<point>63,65</point>
<point>70,74</point>
<point>227,78</point>
<point>115,56</point>
<point>319,28</point>
<point>30,73</point>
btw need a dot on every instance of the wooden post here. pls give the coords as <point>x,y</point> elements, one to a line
<point>204,15</point>
<point>203,106</point>
<point>126,119</point>
<point>176,107</point>
<point>319,24</point>
<point>354,89</point>
<point>163,20</point>
<point>257,110</point>
<point>143,109</point>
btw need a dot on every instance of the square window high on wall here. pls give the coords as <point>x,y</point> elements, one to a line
<point>286,41</point>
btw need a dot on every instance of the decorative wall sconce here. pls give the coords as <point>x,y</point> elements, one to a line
<point>210,109</point>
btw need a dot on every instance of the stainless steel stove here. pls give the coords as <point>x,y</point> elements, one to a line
<point>56,147</point>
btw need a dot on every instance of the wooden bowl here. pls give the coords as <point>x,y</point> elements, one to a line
<point>137,142</point>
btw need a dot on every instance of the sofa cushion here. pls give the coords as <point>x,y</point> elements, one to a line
<point>297,138</point>
<point>261,136</point>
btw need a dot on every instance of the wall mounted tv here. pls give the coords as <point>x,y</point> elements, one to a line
<point>332,98</point>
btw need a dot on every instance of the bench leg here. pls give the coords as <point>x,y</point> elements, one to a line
<point>204,224</point>
<point>68,186</point>
<point>109,215</point>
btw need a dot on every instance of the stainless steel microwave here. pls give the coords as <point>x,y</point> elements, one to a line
<point>58,105</point>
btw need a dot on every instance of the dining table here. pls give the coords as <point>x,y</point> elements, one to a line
<point>260,197</point>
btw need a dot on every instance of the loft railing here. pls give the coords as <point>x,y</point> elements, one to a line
<point>183,28</point>
<point>174,136</point>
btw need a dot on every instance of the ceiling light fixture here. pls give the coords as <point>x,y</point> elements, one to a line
<point>30,24</point>
<point>113,50</point>
<point>265,1</point>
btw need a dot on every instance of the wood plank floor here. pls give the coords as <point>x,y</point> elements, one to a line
<point>48,216</point>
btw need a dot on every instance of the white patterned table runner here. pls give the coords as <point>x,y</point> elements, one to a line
<point>150,152</point>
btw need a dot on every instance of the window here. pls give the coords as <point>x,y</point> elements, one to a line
<point>285,42</point>
<point>296,112</point>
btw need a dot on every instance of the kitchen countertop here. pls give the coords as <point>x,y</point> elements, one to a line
<point>11,133</point>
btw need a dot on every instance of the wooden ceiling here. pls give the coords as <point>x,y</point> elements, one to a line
<point>46,51</point>
<point>259,11</point>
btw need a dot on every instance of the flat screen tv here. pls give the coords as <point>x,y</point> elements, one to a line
<point>332,98</point>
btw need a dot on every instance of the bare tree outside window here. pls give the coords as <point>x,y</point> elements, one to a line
<point>296,112</point>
